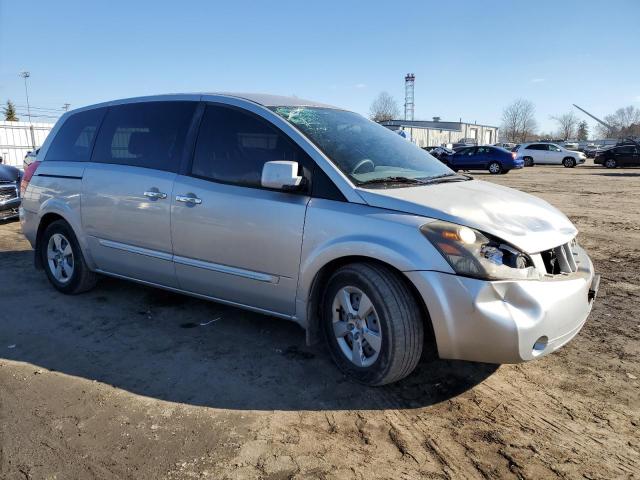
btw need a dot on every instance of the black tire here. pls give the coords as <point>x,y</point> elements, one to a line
<point>504,172</point>
<point>82,279</point>
<point>495,168</point>
<point>528,161</point>
<point>609,163</point>
<point>569,162</point>
<point>399,318</point>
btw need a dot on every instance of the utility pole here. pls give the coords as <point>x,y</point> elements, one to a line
<point>66,107</point>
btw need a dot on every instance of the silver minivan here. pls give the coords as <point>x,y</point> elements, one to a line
<point>310,213</point>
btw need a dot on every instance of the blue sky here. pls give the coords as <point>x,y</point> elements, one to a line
<point>470,58</point>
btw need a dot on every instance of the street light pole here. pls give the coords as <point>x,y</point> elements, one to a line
<point>26,75</point>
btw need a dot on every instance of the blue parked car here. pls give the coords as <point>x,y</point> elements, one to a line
<point>495,159</point>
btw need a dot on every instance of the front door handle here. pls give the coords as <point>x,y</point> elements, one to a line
<point>154,194</point>
<point>191,200</point>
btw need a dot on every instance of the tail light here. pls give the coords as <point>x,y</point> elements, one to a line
<point>26,178</point>
<point>513,155</point>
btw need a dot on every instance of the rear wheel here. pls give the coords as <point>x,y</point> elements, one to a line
<point>528,161</point>
<point>495,168</point>
<point>610,163</point>
<point>504,172</point>
<point>569,162</point>
<point>372,324</point>
<point>63,261</point>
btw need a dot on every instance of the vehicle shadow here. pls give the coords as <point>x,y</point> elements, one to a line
<point>619,174</point>
<point>180,349</point>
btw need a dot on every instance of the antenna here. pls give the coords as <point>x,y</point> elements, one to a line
<point>409,81</point>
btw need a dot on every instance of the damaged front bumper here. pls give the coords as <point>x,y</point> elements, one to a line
<point>506,321</point>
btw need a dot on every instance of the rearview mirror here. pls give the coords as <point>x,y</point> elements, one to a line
<point>281,174</point>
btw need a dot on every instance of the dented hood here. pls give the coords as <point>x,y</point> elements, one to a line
<point>525,221</point>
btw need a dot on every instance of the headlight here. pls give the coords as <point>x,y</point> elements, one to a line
<point>474,254</point>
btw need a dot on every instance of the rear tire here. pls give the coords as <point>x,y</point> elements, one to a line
<point>569,162</point>
<point>495,168</point>
<point>391,312</point>
<point>528,161</point>
<point>504,172</point>
<point>63,261</point>
<point>610,163</point>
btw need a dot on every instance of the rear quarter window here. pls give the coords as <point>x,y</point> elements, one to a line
<point>74,140</point>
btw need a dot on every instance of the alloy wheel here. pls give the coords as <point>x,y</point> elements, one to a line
<point>60,258</point>
<point>356,326</point>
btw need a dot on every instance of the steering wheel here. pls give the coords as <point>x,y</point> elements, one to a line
<point>361,166</point>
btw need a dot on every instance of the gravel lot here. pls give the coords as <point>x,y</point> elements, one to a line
<point>131,382</point>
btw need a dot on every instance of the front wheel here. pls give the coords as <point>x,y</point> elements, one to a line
<point>610,163</point>
<point>372,324</point>
<point>569,162</point>
<point>495,168</point>
<point>63,261</point>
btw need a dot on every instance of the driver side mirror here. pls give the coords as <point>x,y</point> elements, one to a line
<point>281,175</point>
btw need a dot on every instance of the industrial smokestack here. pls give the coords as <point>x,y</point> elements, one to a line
<point>409,81</point>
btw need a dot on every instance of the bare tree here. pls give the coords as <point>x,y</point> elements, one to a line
<point>384,108</point>
<point>567,125</point>
<point>518,121</point>
<point>624,122</point>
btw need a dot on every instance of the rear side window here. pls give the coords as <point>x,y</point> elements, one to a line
<point>233,146</point>
<point>149,135</point>
<point>74,140</point>
<point>536,146</point>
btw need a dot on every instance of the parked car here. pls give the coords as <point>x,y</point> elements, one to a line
<point>441,152</point>
<point>10,178</point>
<point>619,156</point>
<point>505,145</point>
<point>310,213</point>
<point>573,146</point>
<point>494,159</point>
<point>29,158</point>
<point>592,152</point>
<point>539,153</point>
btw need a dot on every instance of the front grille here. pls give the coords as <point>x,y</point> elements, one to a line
<point>560,259</point>
<point>8,191</point>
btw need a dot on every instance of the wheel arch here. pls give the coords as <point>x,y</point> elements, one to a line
<point>315,294</point>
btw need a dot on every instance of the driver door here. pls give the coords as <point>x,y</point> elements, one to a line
<point>232,239</point>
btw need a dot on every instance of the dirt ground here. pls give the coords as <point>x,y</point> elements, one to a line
<point>131,382</point>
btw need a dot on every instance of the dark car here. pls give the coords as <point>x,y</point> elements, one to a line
<point>9,191</point>
<point>619,156</point>
<point>495,159</point>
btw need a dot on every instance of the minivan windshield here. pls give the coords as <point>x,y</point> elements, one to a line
<point>368,153</point>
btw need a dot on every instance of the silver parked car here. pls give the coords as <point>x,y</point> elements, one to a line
<point>310,213</point>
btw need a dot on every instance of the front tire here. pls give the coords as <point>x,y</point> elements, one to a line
<point>569,162</point>
<point>495,168</point>
<point>610,163</point>
<point>372,324</point>
<point>63,261</point>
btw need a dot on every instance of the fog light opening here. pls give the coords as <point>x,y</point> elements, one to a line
<point>540,345</point>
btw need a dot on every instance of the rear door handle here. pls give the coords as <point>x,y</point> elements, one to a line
<point>191,200</point>
<point>154,194</point>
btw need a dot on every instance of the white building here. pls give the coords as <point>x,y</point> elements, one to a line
<point>18,138</point>
<point>435,133</point>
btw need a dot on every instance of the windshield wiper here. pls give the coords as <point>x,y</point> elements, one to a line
<point>448,177</point>
<point>392,180</point>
